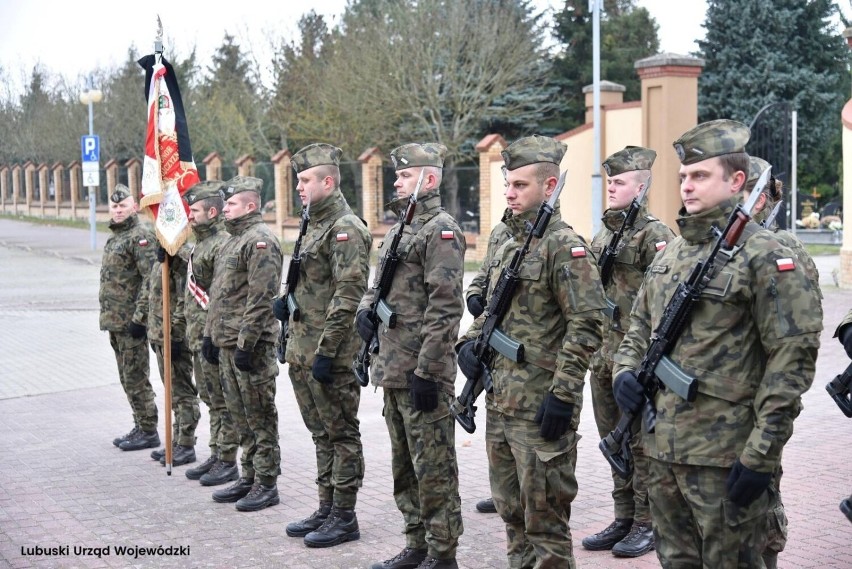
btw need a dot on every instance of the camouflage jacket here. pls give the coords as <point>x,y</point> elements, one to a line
<point>498,236</point>
<point>246,279</point>
<point>209,239</point>
<point>333,278</point>
<point>751,342</point>
<point>153,296</point>
<point>426,295</point>
<point>791,241</point>
<point>555,313</point>
<point>636,250</point>
<point>128,255</point>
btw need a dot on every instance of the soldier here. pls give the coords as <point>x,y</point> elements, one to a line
<point>321,346</point>
<point>751,342</point>
<point>416,363</point>
<point>205,206</point>
<point>242,331</point>
<point>128,257</point>
<point>184,394</point>
<point>534,409</point>
<point>628,172</point>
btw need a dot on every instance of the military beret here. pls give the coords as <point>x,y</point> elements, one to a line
<point>628,160</point>
<point>710,139</point>
<point>415,154</point>
<point>533,149</point>
<point>317,154</point>
<point>120,193</point>
<point>202,191</point>
<point>756,166</point>
<point>239,184</point>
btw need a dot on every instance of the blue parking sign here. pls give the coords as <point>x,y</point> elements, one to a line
<point>91,147</point>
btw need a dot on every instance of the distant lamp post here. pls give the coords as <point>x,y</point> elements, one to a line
<point>89,97</point>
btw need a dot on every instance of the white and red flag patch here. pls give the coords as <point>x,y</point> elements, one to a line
<point>261,244</point>
<point>342,236</point>
<point>577,252</point>
<point>447,234</point>
<point>660,245</point>
<point>143,242</point>
<point>785,264</point>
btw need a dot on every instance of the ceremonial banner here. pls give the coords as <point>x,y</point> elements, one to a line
<point>168,169</point>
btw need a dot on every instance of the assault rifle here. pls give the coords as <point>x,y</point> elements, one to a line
<point>656,366</point>
<point>838,388</point>
<point>379,309</point>
<point>293,272</point>
<point>491,340</point>
<point>770,219</point>
<point>607,259</point>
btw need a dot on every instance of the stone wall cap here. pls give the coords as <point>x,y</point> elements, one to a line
<point>662,59</point>
<point>847,33</point>
<point>210,157</point>
<point>606,86</point>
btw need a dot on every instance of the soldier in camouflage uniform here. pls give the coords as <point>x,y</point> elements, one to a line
<point>127,260</point>
<point>712,459</point>
<point>205,207</point>
<point>628,171</point>
<point>184,394</point>
<point>240,323</point>
<point>416,363</point>
<point>534,409</point>
<point>321,346</point>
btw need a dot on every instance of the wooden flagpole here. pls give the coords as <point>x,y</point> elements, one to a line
<point>167,359</point>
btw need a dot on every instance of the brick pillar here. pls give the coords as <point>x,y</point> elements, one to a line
<point>134,176</point>
<point>245,165</point>
<point>846,249</point>
<point>74,173</point>
<point>372,182</point>
<point>4,187</point>
<point>283,189</point>
<point>43,173</point>
<point>213,166</point>
<point>492,202</point>
<point>29,184</point>
<point>111,169</point>
<point>58,186</point>
<point>16,187</point>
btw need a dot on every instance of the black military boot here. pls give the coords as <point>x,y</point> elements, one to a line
<point>141,440</point>
<point>180,455</point>
<point>203,468</point>
<point>118,440</point>
<point>161,452</point>
<point>606,539</point>
<point>223,471</point>
<point>233,492</point>
<point>309,524</point>
<point>339,527</point>
<point>261,496</point>
<point>638,542</point>
<point>486,506</point>
<point>433,563</point>
<point>408,558</point>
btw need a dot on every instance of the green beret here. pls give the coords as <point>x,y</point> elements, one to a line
<point>318,154</point>
<point>710,139</point>
<point>120,193</point>
<point>630,159</point>
<point>239,184</point>
<point>532,150</point>
<point>202,191</point>
<point>415,154</point>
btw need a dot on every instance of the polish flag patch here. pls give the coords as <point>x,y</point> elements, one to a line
<point>343,236</point>
<point>577,252</point>
<point>143,242</point>
<point>261,245</point>
<point>660,245</point>
<point>785,264</point>
<point>447,234</point>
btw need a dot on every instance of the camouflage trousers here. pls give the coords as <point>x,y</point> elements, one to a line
<point>223,434</point>
<point>630,496</point>
<point>250,396</point>
<point>184,396</point>
<point>696,526</point>
<point>330,413</point>
<point>133,359</point>
<point>425,472</point>
<point>533,485</point>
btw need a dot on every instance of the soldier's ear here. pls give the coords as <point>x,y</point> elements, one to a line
<point>738,181</point>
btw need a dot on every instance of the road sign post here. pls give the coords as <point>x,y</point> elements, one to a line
<point>91,150</point>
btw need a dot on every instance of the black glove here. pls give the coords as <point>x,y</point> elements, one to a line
<point>242,359</point>
<point>279,309</point>
<point>366,327</point>
<point>845,337</point>
<point>176,349</point>
<point>475,305</point>
<point>321,370</point>
<point>209,351</point>
<point>424,393</point>
<point>468,364</point>
<point>629,394</point>
<point>745,485</point>
<point>136,330</point>
<point>554,416</point>
<point>161,254</point>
